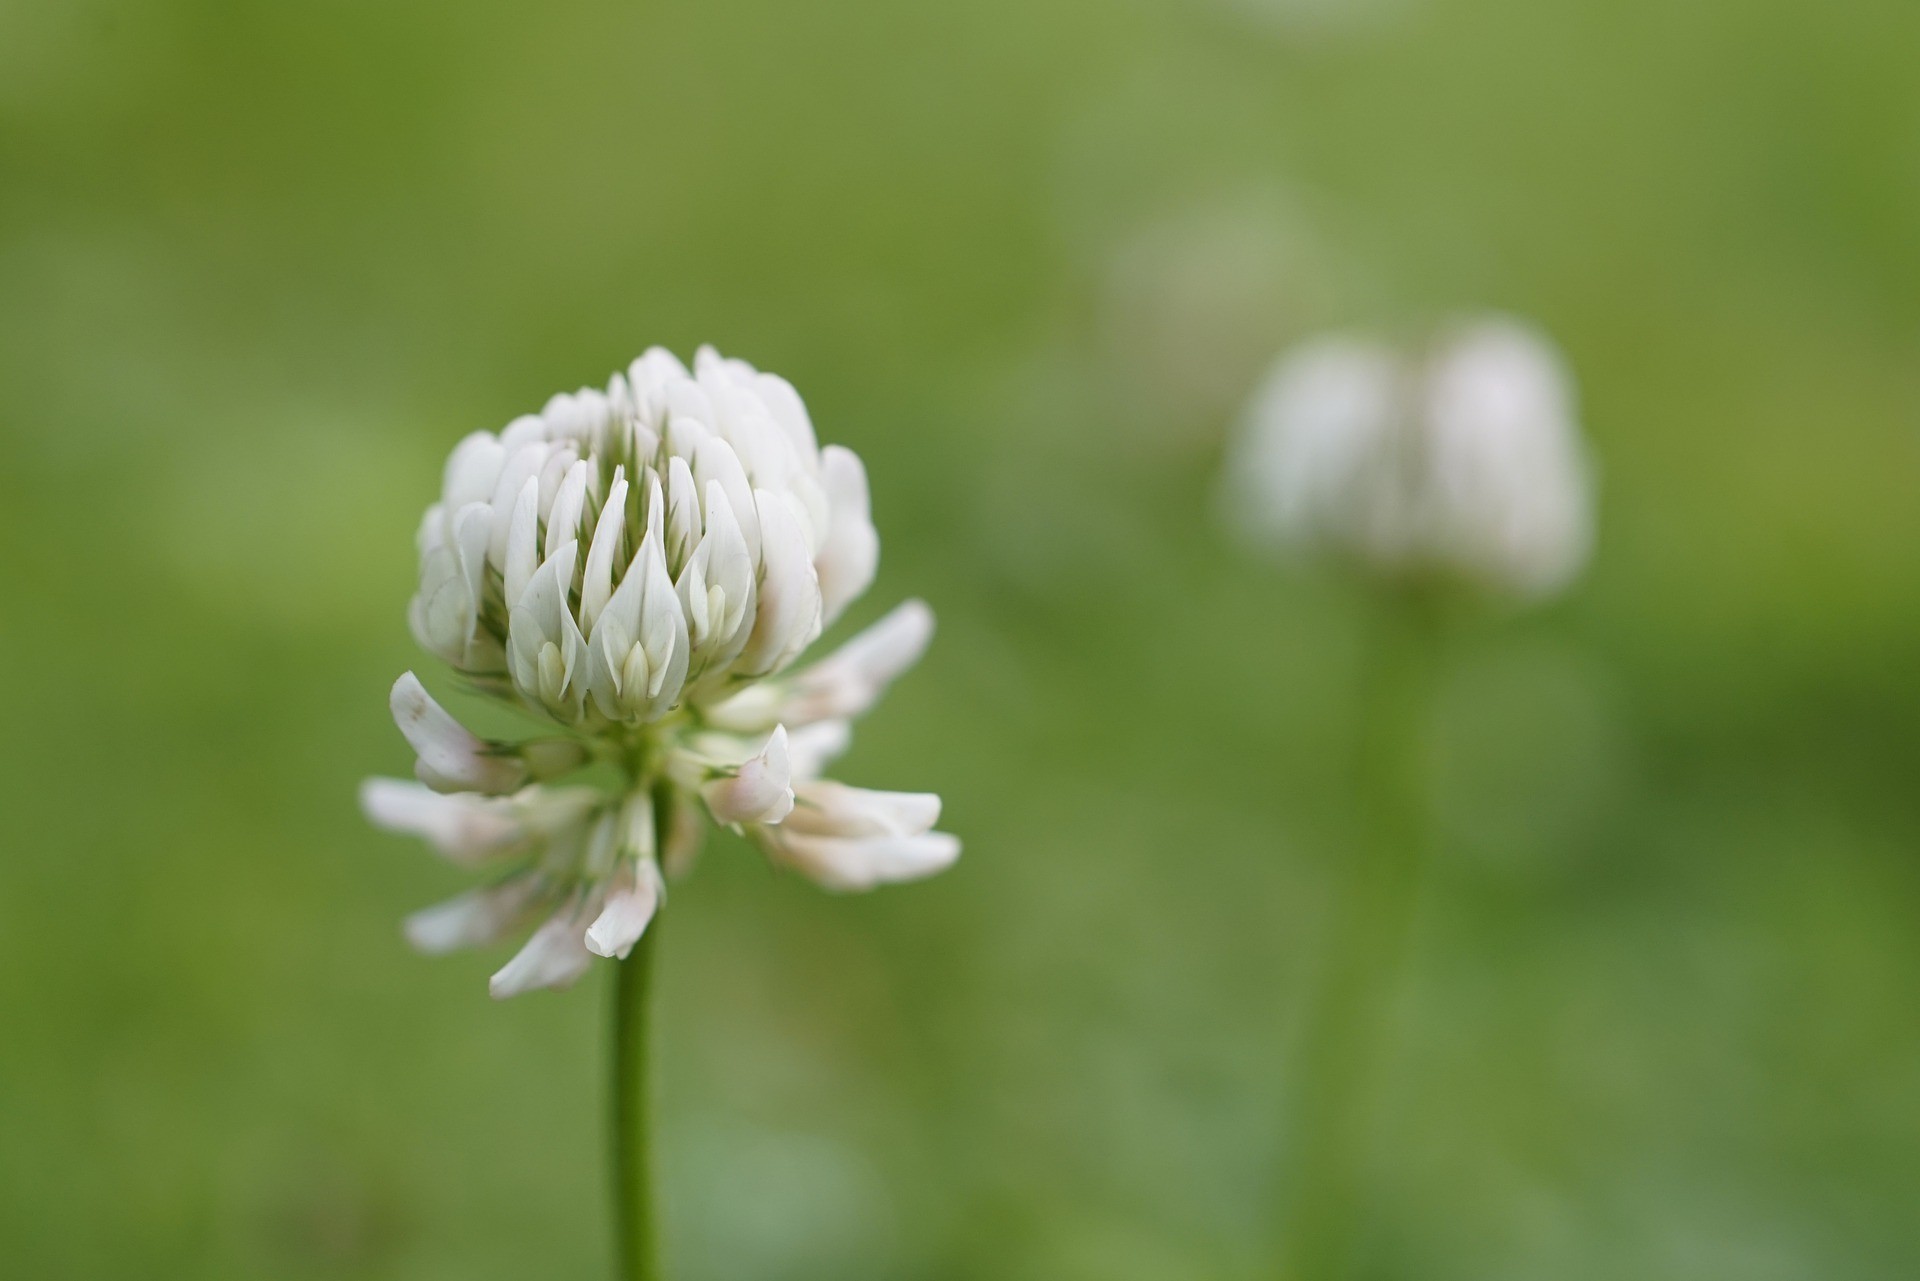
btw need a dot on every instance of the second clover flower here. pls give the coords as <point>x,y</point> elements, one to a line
<point>1466,461</point>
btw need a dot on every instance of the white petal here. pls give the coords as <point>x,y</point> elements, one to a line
<point>546,654</point>
<point>477,918</point>
<point>473,469</point>
<point>755,708</point>
<point>444,613</point>
<point>580,416</point>
<point>550,812</point>
<point>639,645</point>
<point>654,508</point>
<point>525,430</point>
<point>851,679</point>
<point>632,899</point>
<point>563,525</point>
<point>716,589</point>
<point>787,608</point>
<point>447,748</point>
<point>432,531</point>
<point>637,835</point>
<point>553,474</point>
<point>683,523</point>
<point>730,563</point>
<point>760,445</point>
<point>597,586</point>
<point>761,791</point>
<point>826,808</point>
<point>445,610</point>
<point>648,377</point>
<point>472,530</point>
<point>635,442</point>
<point>522,464</point>
<point>839,864</point>
<point>663,633</point>
<point>465,829</point>
<point>554,957</point>
<point>778,395</point>
<point>710,366</point>
<point>523,547</point>
<point>815,510</point>
<point>687,399</point>
<point>851,551</point>
<point>620,398</point>
<point>695,602</point>
<point>683,437</point>
<point>601,849</point>
<point>715,461</point>
<point>811,748</point>
<point>615,632</point>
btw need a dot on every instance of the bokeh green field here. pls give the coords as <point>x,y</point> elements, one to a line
<point>262,264</point>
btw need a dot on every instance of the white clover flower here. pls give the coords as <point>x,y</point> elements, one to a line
<point>640,567</point>
<point>1468,463</point>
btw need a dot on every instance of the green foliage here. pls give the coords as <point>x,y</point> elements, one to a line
<point>261,264</point>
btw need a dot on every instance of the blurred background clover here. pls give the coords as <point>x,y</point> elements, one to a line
<point>1440,481</point>
<point>262,265</point>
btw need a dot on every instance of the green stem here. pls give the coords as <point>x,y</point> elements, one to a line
<point>1345,1031</point>
<point>636,1226</point>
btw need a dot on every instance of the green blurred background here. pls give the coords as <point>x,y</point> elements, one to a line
<point>262,264</point>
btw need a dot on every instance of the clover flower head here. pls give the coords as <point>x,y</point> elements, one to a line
<point>1466,462</point>
<point>639,568</point>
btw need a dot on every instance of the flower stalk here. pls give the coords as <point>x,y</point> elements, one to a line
<point>1346,1037</point>
<point>630,1100</point>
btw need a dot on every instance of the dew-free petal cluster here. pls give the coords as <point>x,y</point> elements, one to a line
<point>1466,460</point>
<point>640,567</point>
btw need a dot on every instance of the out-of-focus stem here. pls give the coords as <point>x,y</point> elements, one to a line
<point>1333,1095</point>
